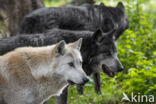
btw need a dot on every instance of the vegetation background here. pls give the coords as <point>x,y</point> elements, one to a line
<point>136,50</point>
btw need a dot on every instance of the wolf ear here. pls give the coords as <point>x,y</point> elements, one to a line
<point>102,4</point>
<point>121,6</point>
<point>77,44</point>
<point>97,36</point>
<point>60,48</point>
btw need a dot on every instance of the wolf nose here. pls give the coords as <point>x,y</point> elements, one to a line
<point>85,80</point>
<point>121,69</point>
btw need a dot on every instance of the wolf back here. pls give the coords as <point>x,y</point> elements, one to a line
<point>86,17</point>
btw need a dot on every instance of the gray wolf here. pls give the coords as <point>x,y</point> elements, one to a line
<point>85,17</point>
<point>31,75</point>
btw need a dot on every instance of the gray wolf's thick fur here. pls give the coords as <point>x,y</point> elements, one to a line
<point>32,75</point>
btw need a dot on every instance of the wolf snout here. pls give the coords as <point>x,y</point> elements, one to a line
<point>120,69</point>
<point>119,66</point>
<point>85,80</point>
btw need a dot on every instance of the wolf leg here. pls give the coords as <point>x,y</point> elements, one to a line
<point>80,89</point>
<point>97,82</point>
<point>63,98</point>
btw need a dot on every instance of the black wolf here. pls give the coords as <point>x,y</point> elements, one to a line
<point>85,17</point>
<point>98,49</point>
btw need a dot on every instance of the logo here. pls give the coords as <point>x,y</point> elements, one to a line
<point>138,98</point>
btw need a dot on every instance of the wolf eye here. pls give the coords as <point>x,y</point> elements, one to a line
<point>80,62</point>
<point>71,64</point>
<point>107,53</point>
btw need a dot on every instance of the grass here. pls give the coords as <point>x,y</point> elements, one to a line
<point>90,97</point>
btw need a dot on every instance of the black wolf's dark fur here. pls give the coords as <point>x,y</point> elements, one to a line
<point>89,47</point>
<point>86,17</point>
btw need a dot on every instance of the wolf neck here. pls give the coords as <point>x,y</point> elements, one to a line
<point>49,85</point>
<point>39,60</point>
<point>86,48</point>
<point>52,86</point>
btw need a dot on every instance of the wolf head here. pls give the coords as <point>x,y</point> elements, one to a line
<point>104,53</point>
<point>114,17</point>
<point>69,62</point>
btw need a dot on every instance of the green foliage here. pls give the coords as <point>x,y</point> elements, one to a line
<point>137,52</point>
<point>56,3</point>
<point>140,81</point>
